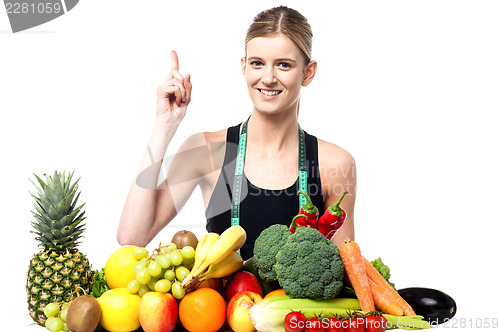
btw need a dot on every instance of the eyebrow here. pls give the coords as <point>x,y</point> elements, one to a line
<point>281,59</point>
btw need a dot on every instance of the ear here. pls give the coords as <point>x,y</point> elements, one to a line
<point>244,66</point>
<point>310,71</point>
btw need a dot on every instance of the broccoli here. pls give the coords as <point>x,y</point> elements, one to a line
<point>266,247</point>
<point>309,266</point>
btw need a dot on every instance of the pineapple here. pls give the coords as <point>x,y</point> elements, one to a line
<point>59,271</point>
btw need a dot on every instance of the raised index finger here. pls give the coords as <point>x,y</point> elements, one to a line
<point>175,61</point>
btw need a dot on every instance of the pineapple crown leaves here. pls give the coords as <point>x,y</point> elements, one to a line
<point>58,224</point>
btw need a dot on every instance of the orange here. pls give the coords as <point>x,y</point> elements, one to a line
<point>203,310</point>
<point>276,292</point>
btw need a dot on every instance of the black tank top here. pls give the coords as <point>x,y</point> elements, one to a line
<point>259,208</point>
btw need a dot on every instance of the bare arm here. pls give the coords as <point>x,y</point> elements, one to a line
<point>142,217</point>
<point>338,174</point>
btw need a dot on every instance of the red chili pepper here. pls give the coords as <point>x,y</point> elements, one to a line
<point>299,220</point>
<point>307,217</point>
<point>332,219</point>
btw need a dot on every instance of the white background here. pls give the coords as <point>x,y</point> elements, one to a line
<point>410,88</point>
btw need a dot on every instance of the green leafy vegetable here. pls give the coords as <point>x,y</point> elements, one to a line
<point>99,285</point>
<point>309,266</point>
<point>383,269</point>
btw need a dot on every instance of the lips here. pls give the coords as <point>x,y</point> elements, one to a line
<point>269,93</point>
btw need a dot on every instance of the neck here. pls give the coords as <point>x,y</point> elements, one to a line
<point>273,133</point>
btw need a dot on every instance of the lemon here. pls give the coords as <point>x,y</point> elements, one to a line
<point>119,269</point>
<point>120,310</point>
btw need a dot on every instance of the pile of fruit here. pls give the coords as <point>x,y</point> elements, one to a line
<point>162,271</point>
<point>295,281</point>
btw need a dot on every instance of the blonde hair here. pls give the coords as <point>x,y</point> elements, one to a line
<point>287,21</point>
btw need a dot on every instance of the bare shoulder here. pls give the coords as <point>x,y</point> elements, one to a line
<point>199,156</point>
<point>332,155</point>
<point>203,139</point>
<point>338,174</point>
<point>215,136</point>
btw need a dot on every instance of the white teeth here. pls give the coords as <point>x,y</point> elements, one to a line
<point>270,92</point>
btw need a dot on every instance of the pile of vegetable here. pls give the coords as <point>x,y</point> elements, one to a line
<point>309,266</point>
<point>305,263</point>
<point>370,287</point>
<point>270,315</point>
<point>310,269</point>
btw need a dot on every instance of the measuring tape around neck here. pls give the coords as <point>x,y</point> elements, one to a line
<point>240,163</point>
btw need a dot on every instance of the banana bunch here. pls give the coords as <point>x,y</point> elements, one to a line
<point>216,256</point>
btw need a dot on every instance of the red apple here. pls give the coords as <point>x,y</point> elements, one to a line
<point>238,308</point>
<point>158,312</point>
<point>241,281</point>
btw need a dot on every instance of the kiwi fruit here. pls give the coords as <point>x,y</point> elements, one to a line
<point>84,314</point>
<point>185,238</point>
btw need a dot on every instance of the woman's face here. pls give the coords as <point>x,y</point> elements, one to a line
<point>275,70</point>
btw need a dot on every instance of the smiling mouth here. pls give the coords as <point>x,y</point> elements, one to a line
<point>270,92</point>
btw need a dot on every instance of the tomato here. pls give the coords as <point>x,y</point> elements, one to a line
<point>295,321</point>
<point>355,324</point>
<point>335,325</point>
<point>313,324</point>
<point>375,323</point>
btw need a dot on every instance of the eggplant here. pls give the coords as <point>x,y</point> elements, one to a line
<point>436,306</point>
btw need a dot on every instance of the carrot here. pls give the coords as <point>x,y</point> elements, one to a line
<point>383,301</point>
<point>353,263</point>
<point>377,278</point>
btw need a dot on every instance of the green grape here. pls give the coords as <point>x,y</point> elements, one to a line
<point>142,264</point>
<point>188,263</point>
<point>176,258</point>
<point>164,261</point>
<point>64,311</point>
<point>54,324</point>
<point>154,269</point>
<point>65,305</point>
<point>188,252</point>
<point>181,272</point>
<point>171,247</point>
<point>133,286</point>
<point>177,291</point>
<point>140,253</point>
<point>63,314</point>
<point>65,327</point>
<point>143,290</point>
<point>143,276</point>
<point>168,248</point>
<point>163,286</point>
<point>152,283</point>
<point>51,310</point>
<point>169,275</point>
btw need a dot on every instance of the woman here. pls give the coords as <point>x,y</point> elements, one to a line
<point>272,147</point>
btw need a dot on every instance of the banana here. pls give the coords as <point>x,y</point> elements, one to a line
<point>206,241</point>
<point>226,267</point>
<point>211,254</point>
<point>230,240</point>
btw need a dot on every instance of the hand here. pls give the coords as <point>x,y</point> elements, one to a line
<point>174,94</point>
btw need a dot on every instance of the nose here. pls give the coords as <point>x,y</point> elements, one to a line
<point>269,76</point>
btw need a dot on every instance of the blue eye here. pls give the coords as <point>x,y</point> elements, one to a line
<point>256,63</point>
<point>284,65</point>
